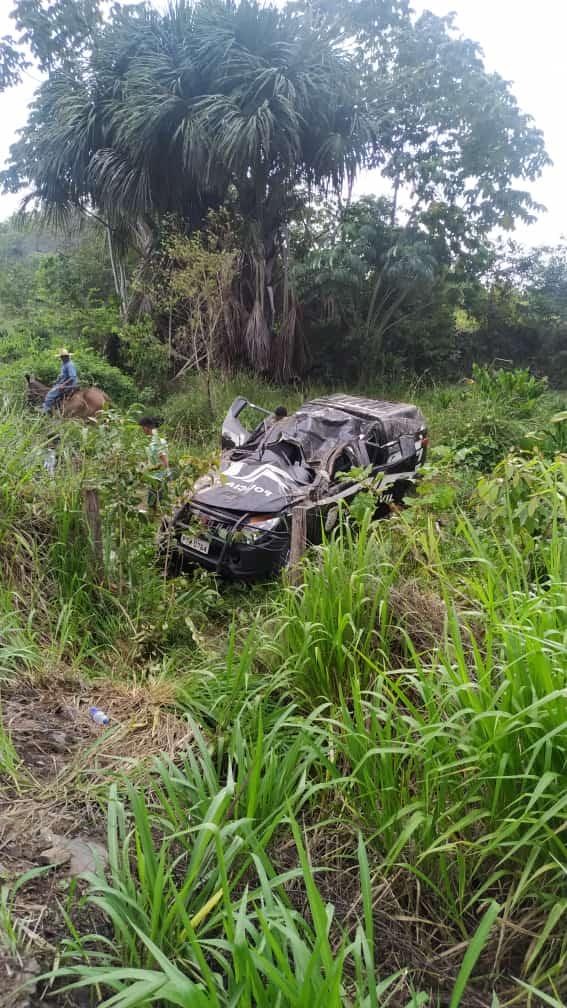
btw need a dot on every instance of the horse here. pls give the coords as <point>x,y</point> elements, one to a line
<point>80,404</point>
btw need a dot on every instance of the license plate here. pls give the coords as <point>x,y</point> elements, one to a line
<point>200,545</point>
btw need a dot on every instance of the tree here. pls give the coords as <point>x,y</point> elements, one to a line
<point>176,113</point>
<point>453,142</point>
<point>192,280</point>
<point>260,109</point>
<point>52,32</point>
<point>372,291</point>
<point>520,309</point>
<point>11,63</point>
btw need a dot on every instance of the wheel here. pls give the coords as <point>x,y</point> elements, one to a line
<point>404,489</point>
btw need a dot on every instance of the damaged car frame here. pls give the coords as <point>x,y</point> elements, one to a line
<point>237,521</point>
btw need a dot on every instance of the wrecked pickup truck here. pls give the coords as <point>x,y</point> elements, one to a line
<point>237,521</point>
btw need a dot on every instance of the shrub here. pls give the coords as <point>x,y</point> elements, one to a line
<point>525,499</point>
<point>143,356</point>
<point>550,438</point>
<point>518,384</point>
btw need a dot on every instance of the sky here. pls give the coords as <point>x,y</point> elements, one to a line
<point>522,40</point>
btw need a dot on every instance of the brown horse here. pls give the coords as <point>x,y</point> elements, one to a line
<point>83,404</point>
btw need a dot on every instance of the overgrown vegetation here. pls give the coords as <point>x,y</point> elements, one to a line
<point>366,806</point>
<point>348,791</point>
<point>262,116</point>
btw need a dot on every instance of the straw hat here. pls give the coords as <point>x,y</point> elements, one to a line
<point>63,352</point>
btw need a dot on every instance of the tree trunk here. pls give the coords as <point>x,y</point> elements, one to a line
<point>288,349</point>
<point>118,275</point>
<point>257,333</point>
<point>143,239</point>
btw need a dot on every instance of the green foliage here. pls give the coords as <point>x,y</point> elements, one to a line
<point>190,286</point>
<point>518,385</point>
<point>551,438</point>
<point>373,292</point>
<point>521,309</point>
<point>144,357</point>
<point>527,497</point>
<point>261,952</point>
<point>54,34</point>
<point>53,587</point>
<point>250,122</point>
<point>472,429</point>
<point>79,278</point>
<point>259,109</point>
<point>325,637</point>
<point>189,411</point>
<point>451,764</point>
<point>483,441</point>
<point>58,31</point>
<point>405,703</point>
<point>57,289</point>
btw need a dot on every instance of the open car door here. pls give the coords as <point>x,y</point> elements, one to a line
<point>234,434</point>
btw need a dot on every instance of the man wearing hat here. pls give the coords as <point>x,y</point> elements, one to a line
<point>67,381</point>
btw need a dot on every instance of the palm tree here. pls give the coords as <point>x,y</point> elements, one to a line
<point>365,274</point>
<point>212,102</point>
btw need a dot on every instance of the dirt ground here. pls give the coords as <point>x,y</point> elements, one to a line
<point>52,810</point>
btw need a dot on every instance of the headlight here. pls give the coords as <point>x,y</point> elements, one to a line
<point>257,526</point>
<point>261,522</point>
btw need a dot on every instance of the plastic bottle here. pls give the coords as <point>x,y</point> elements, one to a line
<point>98,716</point>
<point>50,461</point>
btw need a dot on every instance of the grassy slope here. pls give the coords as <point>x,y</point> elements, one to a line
<point>387,740</point>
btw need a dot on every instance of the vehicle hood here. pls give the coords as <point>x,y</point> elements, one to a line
<point>263,486</point>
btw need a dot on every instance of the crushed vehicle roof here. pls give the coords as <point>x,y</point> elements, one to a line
<point>395,418</point>
<point>276,466</point>
<point>321,423</point>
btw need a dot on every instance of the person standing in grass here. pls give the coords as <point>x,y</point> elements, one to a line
<point>158,458</point>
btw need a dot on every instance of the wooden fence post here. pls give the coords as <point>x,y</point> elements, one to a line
<point>92,513</point>
<point>298,543</point>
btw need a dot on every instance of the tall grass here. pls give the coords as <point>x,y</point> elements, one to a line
<point>261,954</point>
<point>188,412</point>
<point>10,764</point>
<point>19,648</point>
<point>448,763</point>
<point>328,744</point>
<point>198,912</point>
<point>50,586</point>
<point>338,615</point>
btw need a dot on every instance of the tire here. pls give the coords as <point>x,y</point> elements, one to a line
<point>404,489</point>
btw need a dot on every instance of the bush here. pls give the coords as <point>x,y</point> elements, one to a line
<point>525,498</point>
<point>143,356</point>
<point>485,439</point>
<point>518,384</point>
<point>478,431</point>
